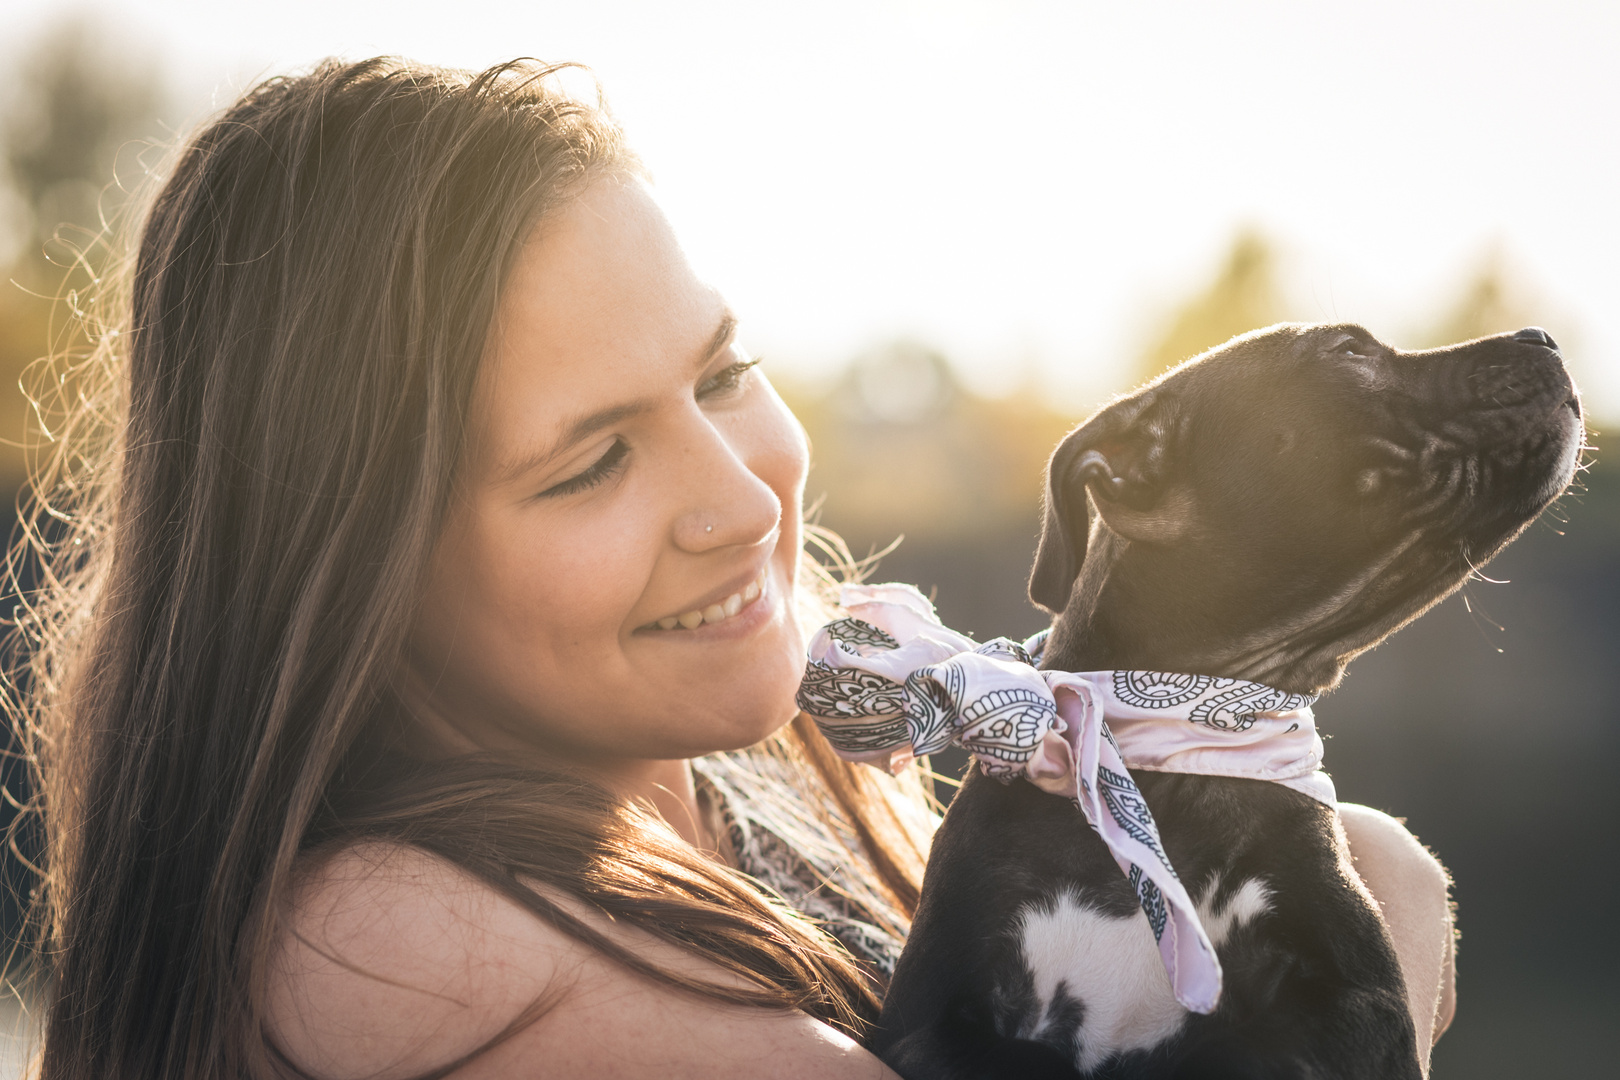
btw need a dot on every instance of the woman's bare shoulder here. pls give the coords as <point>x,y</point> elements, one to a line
<point>393,962</point>
<point>1413,893</point>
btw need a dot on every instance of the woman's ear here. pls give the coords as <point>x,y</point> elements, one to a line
<point>1123,456</point>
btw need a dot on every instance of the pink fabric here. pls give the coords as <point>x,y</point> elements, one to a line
<point>1280,746</point>
<point>892,682</point>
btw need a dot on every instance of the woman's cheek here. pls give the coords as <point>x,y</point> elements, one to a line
<point>791,445</point>
<point>598,570</point>
<point>784,464</point>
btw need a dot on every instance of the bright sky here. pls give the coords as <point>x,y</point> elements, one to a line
<point>1026,184</point>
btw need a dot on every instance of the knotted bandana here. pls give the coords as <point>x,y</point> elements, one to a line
<point>891,682</point>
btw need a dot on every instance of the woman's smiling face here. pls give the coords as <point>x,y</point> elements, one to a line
<point>630,484</point>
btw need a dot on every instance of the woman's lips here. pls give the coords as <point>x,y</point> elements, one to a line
<point>717,612</point>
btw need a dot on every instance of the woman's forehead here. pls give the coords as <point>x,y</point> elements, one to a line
<point>601,311</point>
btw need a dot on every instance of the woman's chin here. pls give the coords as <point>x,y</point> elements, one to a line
<point>737,725</point>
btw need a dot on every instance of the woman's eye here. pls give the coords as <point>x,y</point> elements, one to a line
<point>602,468</point>
<point>726,379</point>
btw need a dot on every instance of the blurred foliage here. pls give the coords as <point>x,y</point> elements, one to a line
<point>76,101</point>
<point>24,336</point>
<point>71,107</point>
<point>1491,301</point>
<point>1243,295</point>
<point>899,446</point>
<point>1246,294</point>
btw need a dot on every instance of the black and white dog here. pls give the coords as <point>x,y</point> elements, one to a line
<point>1266,511</point>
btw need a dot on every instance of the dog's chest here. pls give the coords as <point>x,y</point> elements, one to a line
<point>1092,982</point>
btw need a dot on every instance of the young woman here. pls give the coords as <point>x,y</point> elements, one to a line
<point>425,551</point>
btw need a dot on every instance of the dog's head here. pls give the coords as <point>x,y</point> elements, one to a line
<point>1274,507</point>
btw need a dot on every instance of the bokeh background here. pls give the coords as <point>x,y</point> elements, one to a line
<point>954,227</point>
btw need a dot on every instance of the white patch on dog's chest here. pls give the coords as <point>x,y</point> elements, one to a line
<point>1111,966</point>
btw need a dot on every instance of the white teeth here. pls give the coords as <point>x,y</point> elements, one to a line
<point>714,613</point>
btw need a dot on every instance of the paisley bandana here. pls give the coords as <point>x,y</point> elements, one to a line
<point>890,682</point>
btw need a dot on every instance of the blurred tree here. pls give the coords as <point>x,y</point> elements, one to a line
<point>75,100</point>
<point>1492,300</point>
<point>1244,296</point>
<point>66,110</point>
<point>901,447</point>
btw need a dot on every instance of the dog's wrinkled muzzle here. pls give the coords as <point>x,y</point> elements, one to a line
<point>891,682</point>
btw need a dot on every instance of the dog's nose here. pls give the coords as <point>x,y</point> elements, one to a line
<point>1536,336</point>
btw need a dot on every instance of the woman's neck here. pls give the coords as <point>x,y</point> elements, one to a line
<point>668,787</point>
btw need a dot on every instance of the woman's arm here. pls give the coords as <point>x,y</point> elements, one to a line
<point>1413,892</point>
<point>399,963</point>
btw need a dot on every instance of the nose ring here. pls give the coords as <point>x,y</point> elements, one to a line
<point>708,528</point>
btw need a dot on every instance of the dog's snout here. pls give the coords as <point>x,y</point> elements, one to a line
<point>1535,335</point>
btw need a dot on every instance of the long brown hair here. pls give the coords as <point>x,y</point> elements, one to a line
<point>235,522</point>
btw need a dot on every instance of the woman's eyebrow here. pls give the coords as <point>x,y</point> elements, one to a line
<point>587,425</point>
<point>722,337</point>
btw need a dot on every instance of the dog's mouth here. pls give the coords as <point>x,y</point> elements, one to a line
<point>1493,438</point>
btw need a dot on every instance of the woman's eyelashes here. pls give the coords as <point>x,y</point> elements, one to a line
<point>599,470</point>
<point>726,379</point>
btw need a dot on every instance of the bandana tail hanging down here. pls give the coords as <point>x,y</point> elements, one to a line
<point>890,683</point>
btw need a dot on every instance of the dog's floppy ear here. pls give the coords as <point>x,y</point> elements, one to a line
<point>1122,455</point>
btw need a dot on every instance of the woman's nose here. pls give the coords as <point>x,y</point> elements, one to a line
<point>727,503</point>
